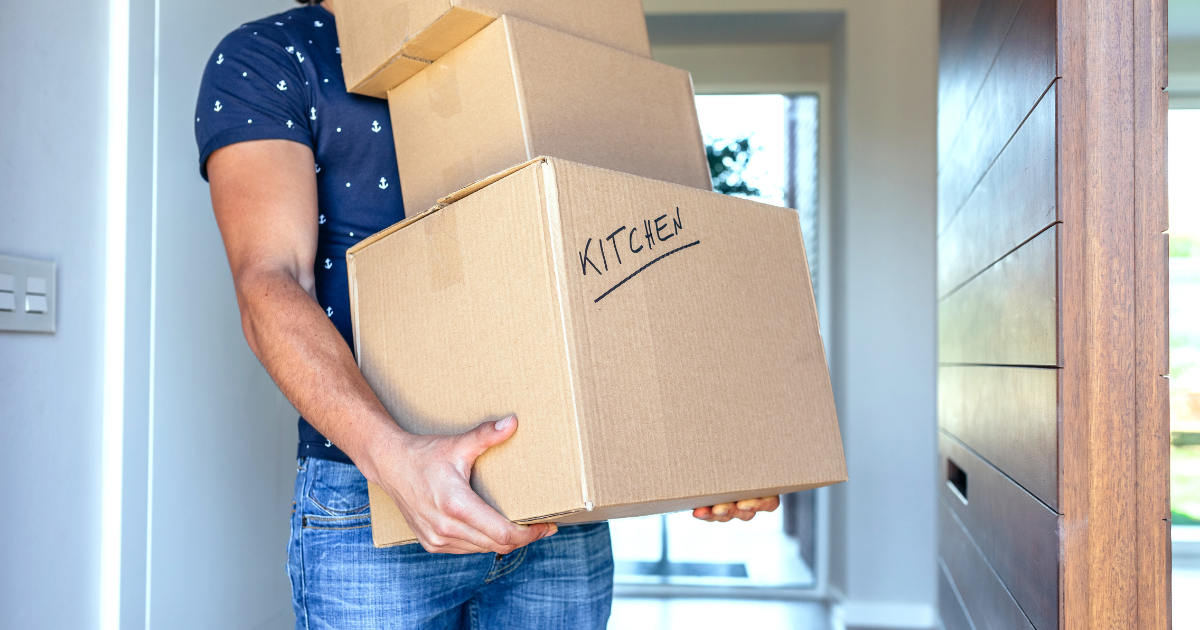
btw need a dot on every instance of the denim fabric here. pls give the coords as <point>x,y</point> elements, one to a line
<point>341,581</point>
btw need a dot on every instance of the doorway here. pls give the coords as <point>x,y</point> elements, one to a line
<point>765,147</point>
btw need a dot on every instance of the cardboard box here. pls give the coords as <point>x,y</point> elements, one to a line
<point>517,90</point>
<point>384,42</point>
<point>658,344</point>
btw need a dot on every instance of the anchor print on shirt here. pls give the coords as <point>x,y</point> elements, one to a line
<point>290,49</point>
<point>289,124</point>
<point>217,107</point>
<point>300,56</point>
<point>337,49</point>
<point>329,311</point>
<point>312,113</point>
<point>383,183</point>
<point>282,85</point>
<point>328,264</point>
<point>318,24</point>
<point>375,126</point>
<point>320,217</point>
<point>318,171</point>
<point>220,59</point>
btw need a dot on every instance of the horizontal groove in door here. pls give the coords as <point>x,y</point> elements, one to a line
<point>1007,315</point>
<point>1009,416</point>
<point>1014,201</point>
<point>985,600</point>
<point>1016,533</point>
<point>971,34</point>
<point>1023,70</point>
<point>950,609</point>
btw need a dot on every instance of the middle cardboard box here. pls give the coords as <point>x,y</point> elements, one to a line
<point>658,344</point>
<point>516,90</point>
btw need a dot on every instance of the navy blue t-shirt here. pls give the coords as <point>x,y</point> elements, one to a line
<point>281,78</point>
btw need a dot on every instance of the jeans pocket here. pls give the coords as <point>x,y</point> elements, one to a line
<point>337,492</point>
<point>313,521</point>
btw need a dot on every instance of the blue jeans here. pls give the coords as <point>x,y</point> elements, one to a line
<point>341,581</point>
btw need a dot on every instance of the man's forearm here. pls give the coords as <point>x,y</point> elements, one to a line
<point>309,360</point>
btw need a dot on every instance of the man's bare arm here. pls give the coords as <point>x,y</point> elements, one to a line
<point>264,195</point>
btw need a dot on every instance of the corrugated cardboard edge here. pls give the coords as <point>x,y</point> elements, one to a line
<point>553,211</point>
<point>377,84</point>
<point>452,20</point>
<point>549,518</point>
<point>485,182</point>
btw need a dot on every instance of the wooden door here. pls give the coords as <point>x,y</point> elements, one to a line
<point>1052,404</point>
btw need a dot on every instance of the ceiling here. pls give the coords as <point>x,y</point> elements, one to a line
<point>743,28</point>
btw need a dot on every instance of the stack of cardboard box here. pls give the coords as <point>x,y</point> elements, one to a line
<point>658,342</point>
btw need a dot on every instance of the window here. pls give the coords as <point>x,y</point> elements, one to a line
<point>1183,162</point>
<point>763,147</point>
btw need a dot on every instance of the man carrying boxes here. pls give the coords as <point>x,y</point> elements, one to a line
<point>449,336</point>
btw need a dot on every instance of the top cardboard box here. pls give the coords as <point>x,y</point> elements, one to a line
<point>384,42</point>
<point>517,90</point>
<point>659,344</point>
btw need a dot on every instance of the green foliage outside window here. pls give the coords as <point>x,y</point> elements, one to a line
<point>1185,384</point>
<point>1182,245</point>
<point>727,161</point>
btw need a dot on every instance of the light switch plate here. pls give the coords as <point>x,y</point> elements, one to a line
<point>28,276</point>
<point>35,304</point>
<point>35,285</point>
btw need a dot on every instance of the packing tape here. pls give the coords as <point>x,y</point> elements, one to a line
<point>445,256</point>
<point>444,98</point>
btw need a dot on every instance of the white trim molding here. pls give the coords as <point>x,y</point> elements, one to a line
<point>867,615</point>
<point>113,423</point>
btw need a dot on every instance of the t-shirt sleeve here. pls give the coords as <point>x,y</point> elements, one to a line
<point>253,89</point>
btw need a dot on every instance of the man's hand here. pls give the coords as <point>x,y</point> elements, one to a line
<point>742,510</point>
<point>264,196</point>
<point>428,476</point>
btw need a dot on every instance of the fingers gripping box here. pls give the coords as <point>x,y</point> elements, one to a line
<point>659,344</point>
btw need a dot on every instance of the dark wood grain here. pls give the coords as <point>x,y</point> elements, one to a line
<point>985,600</point>
<point>1108,547</point>
<point>1015,532</point>
<point>1020,75</point>
<point>1009,416</point>
<point>1153,401</point>
<point>1007,315</point>
<point>950,609</point>
<point>972,32</point>
<point>1013,202</point>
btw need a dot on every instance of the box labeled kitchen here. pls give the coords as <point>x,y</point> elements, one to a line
<point>659,344</point>
<point>384,42</point>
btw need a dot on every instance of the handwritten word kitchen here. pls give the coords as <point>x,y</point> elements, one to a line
<point>626,241</point>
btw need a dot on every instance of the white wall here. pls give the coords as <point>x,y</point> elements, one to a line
<point>209,443</point>
<point>774,68</point>
<point>52,146</point>
<point>884,314</point>
<point>224,439</point>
